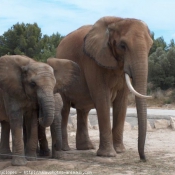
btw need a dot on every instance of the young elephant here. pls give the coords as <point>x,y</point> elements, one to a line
<point>55,129</point>
<point>27,87</point>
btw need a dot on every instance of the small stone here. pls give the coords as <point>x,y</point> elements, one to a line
<point>161,124</point>
<point>72,134</point>
<point>172,122</point>
<point>127,126</point>
<point>69,126</point>
<point>96,127</point>
<point>74,122</point>
<point>149,128</point>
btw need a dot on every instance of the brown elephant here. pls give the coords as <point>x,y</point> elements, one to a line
<point>27,91</point>
<point>107,52</point>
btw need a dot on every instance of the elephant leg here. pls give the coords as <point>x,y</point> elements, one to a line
<point>83,141</point>
<point>106,143</point>
<point>31,126</point>
<point>43,143</point>
<point>56,128</point>
<point>5,152</point>
<point>15,114</point>
<point>119,113</point>
<point>56,138</point>
<point>65,114</point>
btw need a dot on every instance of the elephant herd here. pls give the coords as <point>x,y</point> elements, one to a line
<point>93,68</point>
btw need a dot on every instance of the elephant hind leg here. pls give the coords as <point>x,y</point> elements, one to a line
<point>65,115</point>
<point>5,152</point>
<point>83,141</point>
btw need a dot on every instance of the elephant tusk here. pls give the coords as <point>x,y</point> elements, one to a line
<point>128,82</point>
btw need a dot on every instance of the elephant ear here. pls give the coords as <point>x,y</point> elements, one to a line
<point>96,43</point>
<point>66,72</point>
<point>10,73</point>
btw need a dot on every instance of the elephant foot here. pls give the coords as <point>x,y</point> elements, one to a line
<point>65,147</point>
<point>56,154</point>
<point>106,152</point>
<point>119,148</point>
<point>84,144</point>
<point>31,156</point>
<point>19,161</point>
<point>6,154</point>
<point>44,153</point>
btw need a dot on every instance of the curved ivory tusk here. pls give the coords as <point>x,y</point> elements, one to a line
<point>128,82</point>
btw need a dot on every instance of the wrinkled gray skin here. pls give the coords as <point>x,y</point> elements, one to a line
<point>26,87</point>
<point>106,51</point>
<point>55,129</point>
<point>67,73</point>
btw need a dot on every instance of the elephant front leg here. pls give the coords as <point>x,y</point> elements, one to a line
<point>18,157</point>
<point>106,143</point>
<point>31,126</point>
<point>119,113</point>
<point>5,152</point>
<point>15,114</point>
<point>83,141</point>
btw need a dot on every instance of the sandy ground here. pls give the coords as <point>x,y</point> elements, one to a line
<point>160,152</point>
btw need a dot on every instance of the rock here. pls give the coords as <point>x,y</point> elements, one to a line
<point>127,126</point>
<point>96,127</point>
<point>135,127</point>
<point>74,121</point>
<point>149,128</point>
<point>161,124</point>
<point>72,134</point>
<point>69,126</point>
<point>172,122</point>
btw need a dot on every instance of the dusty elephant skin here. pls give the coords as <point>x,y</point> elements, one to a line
<point>26,87</point>
<point>107,52</point>
<point>65,75</point>
<point>55,132</point>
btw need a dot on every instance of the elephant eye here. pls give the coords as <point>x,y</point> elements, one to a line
<point>32,84</point>
<point>123,46</point>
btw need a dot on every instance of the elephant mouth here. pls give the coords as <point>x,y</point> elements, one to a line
<point>131,88</point>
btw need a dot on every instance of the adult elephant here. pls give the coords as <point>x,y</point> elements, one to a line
<point>109,52</point>
<point>27,87</point>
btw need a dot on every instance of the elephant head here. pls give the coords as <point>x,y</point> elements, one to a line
<point>117,43</point>
<point>27,80</point>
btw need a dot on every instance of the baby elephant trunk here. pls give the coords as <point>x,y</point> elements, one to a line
<point>46,107</point>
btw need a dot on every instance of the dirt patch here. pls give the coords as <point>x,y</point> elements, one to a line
<point>160,154</point>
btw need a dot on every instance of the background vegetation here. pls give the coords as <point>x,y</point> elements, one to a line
<point>27,39</point>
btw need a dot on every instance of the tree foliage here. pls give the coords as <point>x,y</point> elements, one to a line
<point>161,68</point>
<point>27,39</point>
<point>159,42</point>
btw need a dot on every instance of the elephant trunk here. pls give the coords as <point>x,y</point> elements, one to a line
<point>57,122</point>
<point>140,84</point>
<point>47,106</point>
<point>139,75</point>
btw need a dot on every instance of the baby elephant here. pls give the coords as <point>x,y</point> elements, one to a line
<point>27,87</point>
<point>55,129</point>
